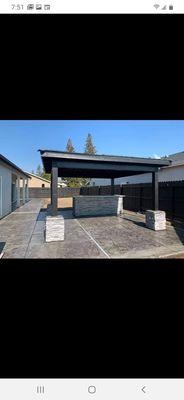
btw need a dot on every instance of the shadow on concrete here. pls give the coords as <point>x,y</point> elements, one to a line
<point>96,216</point>
<point>42,215</point>
<point>138,223</point>
<point>2,244</point>
<point>179,231</point>
<point>66,212</point>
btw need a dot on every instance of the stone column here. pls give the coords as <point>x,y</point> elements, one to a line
<point>23,191</point>
<point>18,191</point>
<point>156,220</point>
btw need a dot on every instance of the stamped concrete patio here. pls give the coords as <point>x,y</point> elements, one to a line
<point>22,236</point>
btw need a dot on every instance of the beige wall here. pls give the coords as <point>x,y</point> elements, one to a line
<point>36,182</point>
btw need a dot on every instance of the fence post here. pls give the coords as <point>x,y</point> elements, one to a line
<point>98,190</point>
<point>173,201</point>
<point>141,192</point>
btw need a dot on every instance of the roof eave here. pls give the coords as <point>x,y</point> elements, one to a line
<point>103,158</point>
<point>11,164</point>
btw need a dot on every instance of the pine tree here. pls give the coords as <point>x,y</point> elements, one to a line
<point>39,170</point>
<point>69,146</point>
<point>72,182</point>
<point>89,147</point>
<point>32,171</point>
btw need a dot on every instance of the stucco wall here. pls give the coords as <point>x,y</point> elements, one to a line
<point>36,182</point>
<point>8,176</point>
<point>119,181</point>
<point>165,174</point>
<point>5,195</point>
<point>172,174</point>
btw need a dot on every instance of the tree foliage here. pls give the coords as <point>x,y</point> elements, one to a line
<point>89,147</point>
<point>46,176</point>
<point>74,182</point>
<point>39,170</point>
<point>71,182</point>
<point>69,146</point>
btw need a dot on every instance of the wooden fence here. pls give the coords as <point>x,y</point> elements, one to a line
<point>138,197</point>
<point>171,198</point>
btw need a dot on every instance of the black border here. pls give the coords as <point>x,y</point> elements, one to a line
<point>77,319</point>
<point>122,67</point>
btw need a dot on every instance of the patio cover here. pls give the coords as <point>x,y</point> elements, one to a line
<point>64,164</point>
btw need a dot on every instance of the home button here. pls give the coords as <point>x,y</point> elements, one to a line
<point>92,389</point>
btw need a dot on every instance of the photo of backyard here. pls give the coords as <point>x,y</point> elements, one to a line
<point>91,189</point>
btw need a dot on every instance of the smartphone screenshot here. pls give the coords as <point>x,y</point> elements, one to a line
<point>91,200</point>
<point>97,7</point>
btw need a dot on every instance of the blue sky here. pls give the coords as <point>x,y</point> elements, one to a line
<point>20,140</point>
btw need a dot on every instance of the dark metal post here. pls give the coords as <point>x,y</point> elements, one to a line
<point>141,195</point>
<point>54,190</point>
<point>155,190</point>
<point>112,186</point>
<point>173,202</point>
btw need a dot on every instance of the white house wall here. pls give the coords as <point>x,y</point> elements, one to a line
<point>6,179</point>
<point>165,174</point>
<point>5,206</point>
<point>172,174</point>
<point>119,181</point>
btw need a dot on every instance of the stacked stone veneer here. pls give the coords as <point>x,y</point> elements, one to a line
<point>84,206</point>
<point>54,230</point>
<point>156,220</point>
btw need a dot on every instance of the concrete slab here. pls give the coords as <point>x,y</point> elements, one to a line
<point>76,244</point>
<point>127,237</point>
<point>16,229</point>
<point>22,233</point>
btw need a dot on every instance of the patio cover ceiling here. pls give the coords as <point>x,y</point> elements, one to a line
<point>98,166</point>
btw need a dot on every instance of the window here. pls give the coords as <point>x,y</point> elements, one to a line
<point>43,185</point>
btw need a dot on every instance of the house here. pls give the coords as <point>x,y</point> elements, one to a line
<point>173,172</point>
<point>11,180</point>
<point>36,181</point>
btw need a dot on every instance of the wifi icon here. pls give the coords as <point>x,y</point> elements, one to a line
<point>156,6</point>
